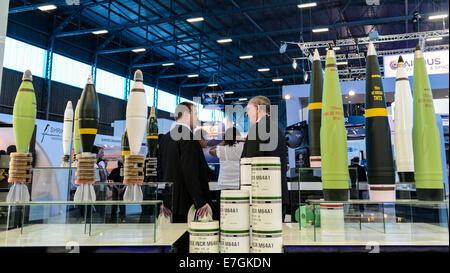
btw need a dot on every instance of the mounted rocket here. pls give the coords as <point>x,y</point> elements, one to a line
<point>125,146</point>
<point>380,163</point>
<point>152,145</point>
<point>426,142</point>
<point>403,123</point>
<point>67,133</point>
<point>76,135</point>
<point>333,135</point>
<point>315,112</point>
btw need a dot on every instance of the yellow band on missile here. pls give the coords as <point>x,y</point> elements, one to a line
<point>152,137</point>
<point>126,152</point>
<point>376,76</point>
<point>376,112</point>
<point>87,131</point>
<point>315,105</point>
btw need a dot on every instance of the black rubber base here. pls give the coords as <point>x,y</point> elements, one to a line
<point>406,176</point>
<point>335,194</point>
<point>430,194</point>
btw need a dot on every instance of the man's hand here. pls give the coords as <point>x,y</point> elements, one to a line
<point>203,211</point>
<point>167,212</point>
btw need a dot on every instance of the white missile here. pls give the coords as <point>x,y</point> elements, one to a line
<point>67,132</point>
<point>403,124</point>
<point>136,114</point>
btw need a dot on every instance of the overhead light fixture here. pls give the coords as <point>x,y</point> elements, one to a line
<point>228,92</point>
<point>277,80</point>
<point>223,41</point>
<point>294,64</point>
<point>342,63</point>
<point>168,64</point>
<point>307,5</point>
<point>47,7</point>
<point>437,16</point>
<point>351,92</point>
<point>193,76</point>
<point>283,48</point>
<point>213,85</point>
<point>320,29</point>
<point>98,32</point>
<point>434,39</point>
<point>349,101</point>
<point>263,69</point>
<point>287,97</point>
<point>243,99</point>
<point>336,48</point>
<point>138,50</point>
<point>196,19</point>
<point>245,57</point>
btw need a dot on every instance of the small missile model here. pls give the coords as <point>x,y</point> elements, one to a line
<point>67,133</point>
<point>24,120</point>
<point>124,148</point>
<point>136,120</point>
<point>152,145</point>
<point>426,142</point>
<point>76,136</point>
<point>88,115</point>
<point>315,112</point>
<point>333,135</point>
<point>403,123</point>
<point>380,162</point>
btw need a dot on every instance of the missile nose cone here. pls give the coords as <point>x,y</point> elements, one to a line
<point>138,76</point>
<point>27,76</point>
<point>418,52</point>
<point>418,47</point>
<point>90,81</point>
<point>152,112</point>
<point>371,50</point>
<point>400,59</point>
<point>330,53</point>
<point>69,105</point>
<point>316,55</point>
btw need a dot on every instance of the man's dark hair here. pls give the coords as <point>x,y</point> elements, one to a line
<point>182,108</point>
<point>231,136</point>
<point>2,152</point>
<point>95,149</point>
<point>11,149</point>
<point>356,159</point>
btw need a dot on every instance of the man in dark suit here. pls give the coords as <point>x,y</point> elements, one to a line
<point>185,166</point>
<point>273,143</point>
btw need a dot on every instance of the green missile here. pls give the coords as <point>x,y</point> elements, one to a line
<point>333,136</point>
<point>380,162</point>
<point>76,133</point>
<point>152,134</point>
<point>24,113</point>
<point>426,142</point>
<point>125,145</point>
<point>88,115</point>
<point>315,111</point>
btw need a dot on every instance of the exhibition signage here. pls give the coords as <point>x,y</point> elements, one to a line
<point>436,63</point>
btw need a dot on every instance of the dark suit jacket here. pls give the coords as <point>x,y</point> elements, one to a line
<point>251,149</point>
<point>184,165</point>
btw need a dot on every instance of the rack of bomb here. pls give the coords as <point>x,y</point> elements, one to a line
<point>417,142</point>
<point>81,127</point>
<point>250,218</point>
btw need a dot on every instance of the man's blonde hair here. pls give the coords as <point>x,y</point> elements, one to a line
<point>261,101</point>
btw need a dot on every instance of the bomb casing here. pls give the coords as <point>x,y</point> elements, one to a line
<point>152,134</point>
<point>136,114</point>
<point>333,135</point>
<point>67,131</point>
<point>403,123</point>
<point>76,133</point>
<point>24,113</point>
<point>88,115</point>
<point>125,146</point>
<point>380,162</point>
<point>426,142</point>
<point>315,111</point>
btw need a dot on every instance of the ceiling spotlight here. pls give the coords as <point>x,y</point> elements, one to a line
<point>212,84</point>
<point>294,64</point>
<point>287,97</point>
<point>336,48</point>
<point>223,41</point>
<point>351,92</point>
<point>47,7</point>
<point>193,76</point>
<point>283,48</point>
<point>434,39</point>
<point>263,69</point>
<point>277,80</point>
<point>245,57</point>
<point>168,64</point>
<point>342,63</point>
<point>196,19</point>
<point>138,50</point>
<point>229,92</point>
<point>307,5</point>
<point>98,32</point>
<point>320,29</point>
<point>243,99</point>
<point>437,16</point>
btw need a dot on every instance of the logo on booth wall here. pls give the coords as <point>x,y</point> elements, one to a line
<point>393,65</point>
<point>53,132</point>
